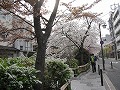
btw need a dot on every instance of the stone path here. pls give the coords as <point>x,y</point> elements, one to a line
<point>88,81</point>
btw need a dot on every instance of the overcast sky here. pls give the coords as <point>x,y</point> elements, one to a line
<point>103,6</point>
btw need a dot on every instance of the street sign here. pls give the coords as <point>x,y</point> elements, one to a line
<point>101,42</point>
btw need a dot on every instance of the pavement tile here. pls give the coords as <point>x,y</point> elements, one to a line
<point>88,81</point>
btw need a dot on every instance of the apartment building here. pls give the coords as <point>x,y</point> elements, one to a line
<point>107,46</point>
<point>114,27</point>
<point>23,42</point>
<point>21,45</point>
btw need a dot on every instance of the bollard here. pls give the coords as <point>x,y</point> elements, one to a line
<point>111,65</point>
<point>99,69</point>
<point>101,75</point>
<point>57,85</point>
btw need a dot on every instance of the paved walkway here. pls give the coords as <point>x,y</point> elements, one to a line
<point>92,81</point>
<point>88,81</point>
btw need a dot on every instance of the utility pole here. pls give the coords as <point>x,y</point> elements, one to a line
<point>101,43</point>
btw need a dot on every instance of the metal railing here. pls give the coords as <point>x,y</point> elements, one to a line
<point>81,69</point>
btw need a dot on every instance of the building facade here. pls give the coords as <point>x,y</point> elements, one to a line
<point>114,27</point>
<point>107,46</point>
<point>21,45</point>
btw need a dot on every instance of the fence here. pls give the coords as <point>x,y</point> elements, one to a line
<point>77,71</point>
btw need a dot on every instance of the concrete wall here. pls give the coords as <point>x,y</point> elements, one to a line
<point>23,45</point>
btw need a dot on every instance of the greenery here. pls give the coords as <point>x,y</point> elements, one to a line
<point>26,62</point>
<point>57,73</point>
<point>17,73</point>
<point>86,56</point>
<point>20,74</point>
<point>73,63</point>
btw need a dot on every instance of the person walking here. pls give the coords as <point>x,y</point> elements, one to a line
<point>93,62</point>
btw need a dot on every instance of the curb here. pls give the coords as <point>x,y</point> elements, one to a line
<point>109,85</point>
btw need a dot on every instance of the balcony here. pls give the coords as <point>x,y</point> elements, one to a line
<point>118,38</point>
<point>117,29</point>
<point>115,12</point>
<point>118,47</point>
<point>116,20</point>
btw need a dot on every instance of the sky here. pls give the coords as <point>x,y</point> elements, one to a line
<point>103,6</point>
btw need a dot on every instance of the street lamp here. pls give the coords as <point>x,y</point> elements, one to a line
<point>101,43</point>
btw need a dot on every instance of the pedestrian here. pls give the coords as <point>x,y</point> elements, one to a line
<point>96,58</point>
<point>93,62</point>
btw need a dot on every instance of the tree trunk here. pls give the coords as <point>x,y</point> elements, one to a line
<point>81,62</point>
<point>41,50</point>
<point>81,54</point>
<point>40,64</point>
<point>42,39</point>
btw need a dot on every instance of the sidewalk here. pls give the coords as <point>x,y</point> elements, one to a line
<point>92,81</point>
<point>88,81</point>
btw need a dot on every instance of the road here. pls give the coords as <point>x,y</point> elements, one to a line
<point>113,74</point>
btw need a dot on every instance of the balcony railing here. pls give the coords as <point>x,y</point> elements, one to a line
<point>116,20</point>
<point>118,47</point>
<point>118,39</point>
<point>117,29</point>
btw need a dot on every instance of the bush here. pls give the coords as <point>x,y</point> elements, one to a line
<point>57,73</point>
<point>73,63</point>
<point>25,62</point>
<point>16,74</point>
<point>20,74</point>
<point>86,56</point>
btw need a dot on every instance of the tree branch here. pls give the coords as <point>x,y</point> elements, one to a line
<point>26,7</point>
<point>51,20</point>
<point>24,29</point>
<point>59,18</point>
<point>64,48</point>
<point>16,15</point>
<point>72,40</point>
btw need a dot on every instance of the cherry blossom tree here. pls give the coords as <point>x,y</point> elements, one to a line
<point>42,25</point>
<point>81,33</point>
<point>21,8</point>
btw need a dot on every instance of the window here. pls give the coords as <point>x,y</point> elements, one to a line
<point>4,35</point>
<point>21,47</point>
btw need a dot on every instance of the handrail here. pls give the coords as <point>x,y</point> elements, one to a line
<point>80,66</point>
<point>67,83</point>
<point>84,65</point>
<point>64,86</point>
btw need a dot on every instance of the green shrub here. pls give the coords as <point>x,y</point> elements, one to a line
<point>73,63</point>
<point>86,55</point>
<point>57,73</point>
<point>25,62</point>
<point>20,74</point>
<point>17,73</point>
